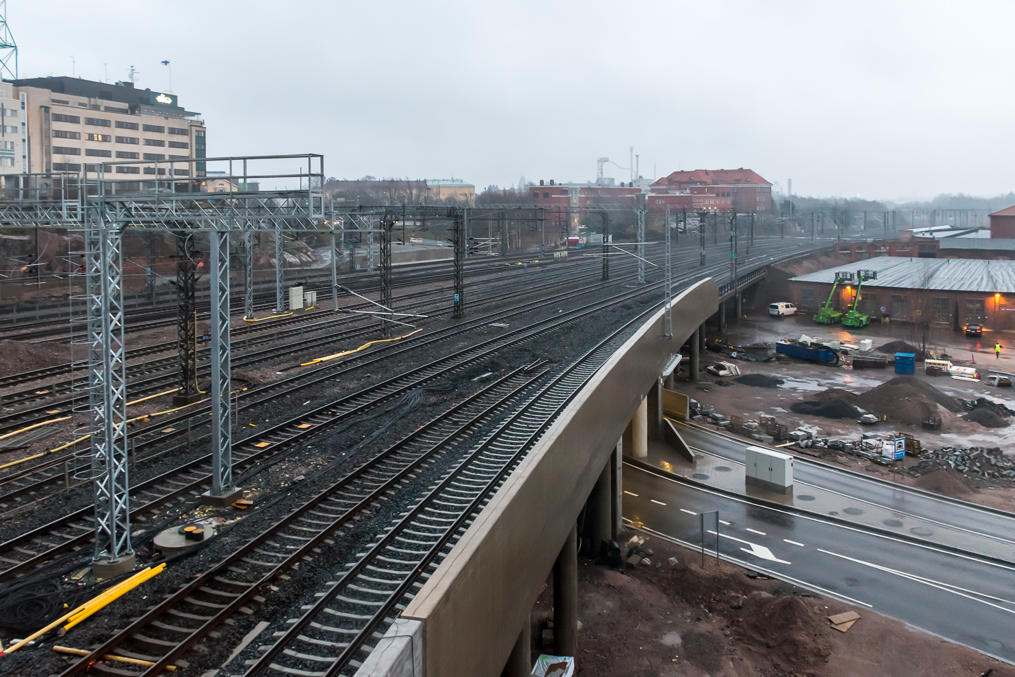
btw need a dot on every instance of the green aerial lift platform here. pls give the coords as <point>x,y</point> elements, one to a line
<point>853,317</point>
<point>826,314</point>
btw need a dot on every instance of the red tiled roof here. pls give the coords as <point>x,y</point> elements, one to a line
<point>712,177</point>
<point>1009,211</point>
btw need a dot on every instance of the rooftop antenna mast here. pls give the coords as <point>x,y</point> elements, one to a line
<point>8,48</point>
<point>132,74</point>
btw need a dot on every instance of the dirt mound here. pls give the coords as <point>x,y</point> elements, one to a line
<point>945,481</point>
<point>893,347</point>
<point>18,356</point>
<point>907,399</point>
<point>986,417</point>
<point>793,632</point>
<point>830,408</point>
<point>760,380</point>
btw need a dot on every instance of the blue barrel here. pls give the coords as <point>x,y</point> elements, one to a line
<point>905,363</point>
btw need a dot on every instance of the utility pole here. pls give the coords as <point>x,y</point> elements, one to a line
<point>459,226</point>
<point>279,270</point>
<point>668,282</point>
<point>701,238</point>
<point>606,245</point>
<point>641,238</point>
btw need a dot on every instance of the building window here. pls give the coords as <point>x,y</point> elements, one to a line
<point>179,131</point>
<point>97,152</point>
<point>127,155</point>
<point>7,145</point>
<point>133,140</point>
<point>151,170</point>
<point>181,172</point>
<point>114,109</point>
<point>99,137</point>
<point>65,134</point>
<point>122,169</point>
<point>10,129</point>
<point>153,128</point>
<point>66,150</point>
<point>154,156</point>
<point>60,117</point>
<point>898,308</point>
<point>6,162</point>
<point>179,157</point>
<point>66,167</point>
<point>120,124</point>
<point>179,144</point>
<point>98,122</point>
<point>63,101</point>
<point>154,142</point>
<point>12,112</point>
<point>942,309</point>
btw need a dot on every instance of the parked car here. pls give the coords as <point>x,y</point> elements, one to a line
<point>781,309</point>
<point>973,329</point>
<point>999,380</point>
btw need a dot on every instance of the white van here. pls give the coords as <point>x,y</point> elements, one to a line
<point>781,309</point>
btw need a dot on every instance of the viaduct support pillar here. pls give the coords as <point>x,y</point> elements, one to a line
<point>639,431</point>
<point>565,597</point>
<point>654,406</point>
<point>617,487</point>
<point>600,509</point>
<point>740,306</point>
<point>519,663</point>
<point>722,317</point>
<point>695,365</point>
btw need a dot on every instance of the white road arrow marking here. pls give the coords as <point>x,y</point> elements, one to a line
<point>759,551</point>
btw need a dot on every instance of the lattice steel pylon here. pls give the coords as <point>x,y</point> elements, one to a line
<point>8,47</point>
<point>186,319</point>
<point>107,388</point>
<point>221,412</point>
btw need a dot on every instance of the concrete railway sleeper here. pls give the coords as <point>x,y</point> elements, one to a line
<point>166,632</point>
<point>41,545</point>
<point>337,630</point>
<point>26,485</point>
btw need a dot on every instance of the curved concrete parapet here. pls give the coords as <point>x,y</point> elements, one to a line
<point>471,609</point>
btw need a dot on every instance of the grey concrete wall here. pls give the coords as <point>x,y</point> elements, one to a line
<point>398,654</point>
<point>474,603</point>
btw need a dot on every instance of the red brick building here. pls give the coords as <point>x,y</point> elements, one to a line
<point>1002,223</point>
<point>715,189</point>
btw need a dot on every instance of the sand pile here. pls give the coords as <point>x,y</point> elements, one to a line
<point>760,380</point>
<point>794,634</point>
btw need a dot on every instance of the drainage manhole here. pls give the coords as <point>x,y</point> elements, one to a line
<point>805,497</point>
<point>699,476</point>
<point>852,511</point>
<point>892,523</point>
<point>723,468</point>
<point>921,531</point>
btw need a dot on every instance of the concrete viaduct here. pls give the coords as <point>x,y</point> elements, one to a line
<point>471,618</point>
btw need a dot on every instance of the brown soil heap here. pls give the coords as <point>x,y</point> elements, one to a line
<point>903,399</point>
<point>19,356</point>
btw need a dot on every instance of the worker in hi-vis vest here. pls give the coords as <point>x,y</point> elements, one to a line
<point>997,351</point>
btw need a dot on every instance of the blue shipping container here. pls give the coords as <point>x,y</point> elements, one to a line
<point>905,363</point>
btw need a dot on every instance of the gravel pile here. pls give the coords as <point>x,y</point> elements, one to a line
<point>827,408</point>
<point>980,462</point>
<point>893,347</point>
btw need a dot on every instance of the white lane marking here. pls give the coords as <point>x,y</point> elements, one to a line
<point>725,523</point>
<point>689,512</point>
<point>656,502</point>
<point>755,531</point>
<point>754,549</point>
<point>793,542</point>
<point>736,560</point>
<point>930,582</point>
<point>811,518</point>
<point>630,493</point>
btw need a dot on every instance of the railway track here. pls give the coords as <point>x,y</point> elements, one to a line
<point>154,376</point>
<point>72,532</point>
<point>337,629</point>
<point>167,631</point>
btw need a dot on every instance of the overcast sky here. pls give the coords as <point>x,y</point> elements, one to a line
<point>878,99</point>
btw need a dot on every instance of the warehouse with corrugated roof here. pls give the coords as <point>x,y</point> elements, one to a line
<point>943,292</point>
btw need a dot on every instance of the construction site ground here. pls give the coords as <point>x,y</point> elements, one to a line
<point>682,618</point>
<point>802,381</point>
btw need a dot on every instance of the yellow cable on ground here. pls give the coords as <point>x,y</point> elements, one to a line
<point>362,347</point>
<point>109,657</point>
<point>262,319</point>
<point>150,397</point>
<point>33,427</point>
<point>111,595</point>
<point>73,612</point>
